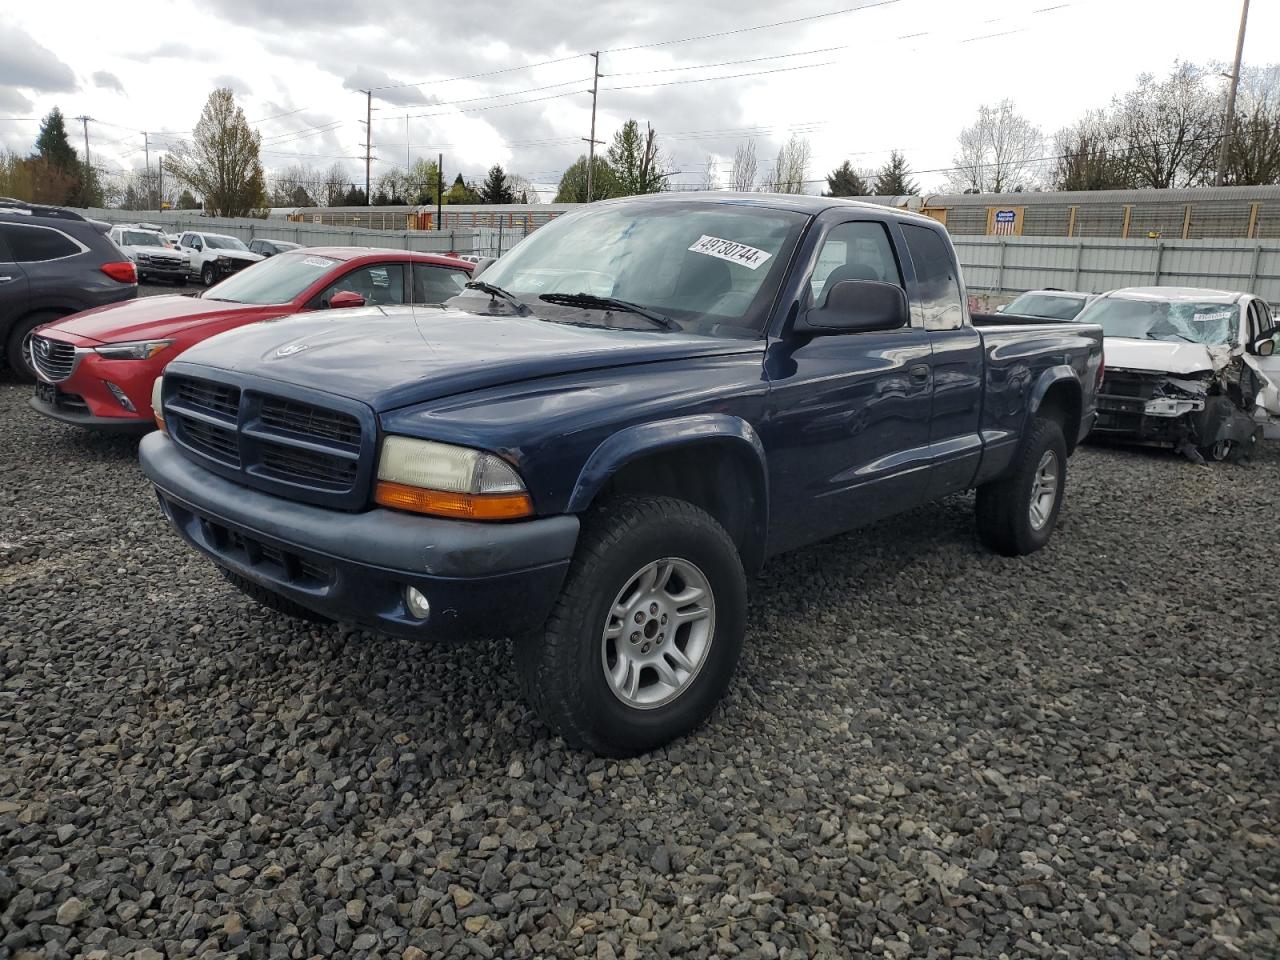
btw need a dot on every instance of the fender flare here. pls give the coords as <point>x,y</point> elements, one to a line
<point>659,436</point>
<point>1047,380</point>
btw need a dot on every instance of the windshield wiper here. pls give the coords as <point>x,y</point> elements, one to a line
<point>589,300</point>
<point>1173,333</point>
<point>495,291</point>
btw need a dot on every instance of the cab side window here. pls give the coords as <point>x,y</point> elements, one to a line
<point>379,283</point>
<point>936,276</point>
<point>859,250</point>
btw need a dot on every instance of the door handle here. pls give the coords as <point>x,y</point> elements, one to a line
<point>5,279</point>
<point>919,372</point>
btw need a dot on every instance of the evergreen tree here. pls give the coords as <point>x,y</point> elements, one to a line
<point>636,161</point>
<point>460,192</point>
<point>187,201</point>
<point>53,145</point>
<point>894,178</point>
<point>573,182</point>
<point>355,197</point>
<point>495,189</point>
<point>844,181</point>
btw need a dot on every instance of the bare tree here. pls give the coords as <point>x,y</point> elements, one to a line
<point>1000,151</point>
<point>522,189</point>
<point>1169,129</point>
<point>745,167</point>
<point>1254,154</point>
<point>791,168</point>
<point>333,185</point>
<point>710,180</point>
<point>1089,155</point>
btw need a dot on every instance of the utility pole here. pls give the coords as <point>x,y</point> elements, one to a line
<point>1225,147</point>
<point>368,145</point>
<point>406,145</point>
<point>592,141</point>
<point>88,169</point>
<point>440,192</point>
<point>160,186</point>
<point>146,148</point>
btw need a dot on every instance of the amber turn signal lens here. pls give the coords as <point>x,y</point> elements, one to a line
<point>459,506</point>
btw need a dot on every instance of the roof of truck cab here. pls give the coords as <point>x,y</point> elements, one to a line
<point>797,202</point>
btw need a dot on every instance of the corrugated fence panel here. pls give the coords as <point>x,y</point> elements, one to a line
<point>1014,264</point>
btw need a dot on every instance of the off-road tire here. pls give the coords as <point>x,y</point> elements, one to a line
<point>560,669</point>
<point>19,365</point>
<point>1004,506</point>
<point>272,600</point>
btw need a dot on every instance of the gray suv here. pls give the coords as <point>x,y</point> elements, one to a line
<point>53,262</point>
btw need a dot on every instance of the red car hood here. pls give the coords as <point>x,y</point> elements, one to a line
<point>155,317</point>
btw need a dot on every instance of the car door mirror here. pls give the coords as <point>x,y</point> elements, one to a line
<point>481,266</point>
<point>345,298</point>
<point>857,306</point>
<point>1264,346</point>
<point>1000,309</point>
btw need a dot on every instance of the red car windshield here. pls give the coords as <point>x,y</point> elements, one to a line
<point>276,280</point>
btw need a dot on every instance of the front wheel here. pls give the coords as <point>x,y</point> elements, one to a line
<point>1017,513</point>
<point>645,636</point>
<point>206,275</point>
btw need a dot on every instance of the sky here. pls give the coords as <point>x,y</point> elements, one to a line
<point>508,83</point>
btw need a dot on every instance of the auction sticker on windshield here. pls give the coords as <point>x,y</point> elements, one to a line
<point>318,262</point>
<point>749,257</point>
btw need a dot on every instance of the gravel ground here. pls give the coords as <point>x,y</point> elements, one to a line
<point>929,751</point>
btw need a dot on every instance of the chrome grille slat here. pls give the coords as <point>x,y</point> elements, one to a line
<point>53,359</point>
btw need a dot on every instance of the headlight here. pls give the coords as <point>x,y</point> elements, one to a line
<point>448,481</point>
<point>157,389</point>
<point>134,350</point>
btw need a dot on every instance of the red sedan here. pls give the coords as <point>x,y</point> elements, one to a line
<point>96,368</point>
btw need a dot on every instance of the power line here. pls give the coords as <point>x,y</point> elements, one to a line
<point>726,63</point>
<point>730,76</point>
<point>476,76</point>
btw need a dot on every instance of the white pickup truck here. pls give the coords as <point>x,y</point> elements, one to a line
<point>1195,369</point>
<point>214,256</point>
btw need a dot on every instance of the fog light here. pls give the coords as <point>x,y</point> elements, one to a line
<point>120,396</point>
<point>417,603</point>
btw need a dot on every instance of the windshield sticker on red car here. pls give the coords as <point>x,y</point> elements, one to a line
<point>318,262</point>
<point>740,253</point>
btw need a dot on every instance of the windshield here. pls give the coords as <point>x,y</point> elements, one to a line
<point>1046,305</point>
<point>223,243</point>
<point>712,267</point>
<point>1212,324</point>
<point>275,280</point>
<point>138,238</point>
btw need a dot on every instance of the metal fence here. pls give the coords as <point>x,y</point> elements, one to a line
<point>307,234</point>
<point>1015,264</point>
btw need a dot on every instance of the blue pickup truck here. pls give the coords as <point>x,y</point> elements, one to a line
<point>594,446</point>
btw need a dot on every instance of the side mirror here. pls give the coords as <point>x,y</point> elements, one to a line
<point>1000,309</point>
<point>481,266</point>
<point>857,306</point>
<point>1264,347</point>
<point>345,298</point>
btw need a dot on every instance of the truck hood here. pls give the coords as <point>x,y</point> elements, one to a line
<point>153,317</point>
<point>390,357</point>
<point>164,253</point>
<point>1160,356</point>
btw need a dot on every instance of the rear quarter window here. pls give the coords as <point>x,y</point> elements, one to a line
<point>37,244</point>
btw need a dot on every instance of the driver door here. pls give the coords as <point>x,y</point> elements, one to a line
<point>1261,323</point>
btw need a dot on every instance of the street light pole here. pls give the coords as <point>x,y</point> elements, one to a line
<point>1225,147</point>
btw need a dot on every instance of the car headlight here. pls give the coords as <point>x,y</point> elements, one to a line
<point>157,390</point>
<point>448,481</point>
<point>133,350</point>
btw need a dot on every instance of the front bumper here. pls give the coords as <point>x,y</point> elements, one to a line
<point>70,408</point>
<point>480,578</point>
<point>83,397</point>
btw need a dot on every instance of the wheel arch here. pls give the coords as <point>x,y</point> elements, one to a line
<point>715,461</point>
<point>1057,395</point>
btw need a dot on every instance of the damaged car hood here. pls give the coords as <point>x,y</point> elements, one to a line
<point>1161,356</point>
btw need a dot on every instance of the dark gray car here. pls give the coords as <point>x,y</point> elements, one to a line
<point>53,262</point>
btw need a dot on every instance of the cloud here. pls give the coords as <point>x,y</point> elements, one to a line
<point>105,80</point>
<point>236,85</point>
<point>172,50</point>
<point>25,63</point>
<point>11,101</point>
<point>366,78</point>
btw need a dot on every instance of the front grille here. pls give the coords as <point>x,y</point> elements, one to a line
<point>219,399</point>
<point>216,442</point>
<point>308,421</point>
<point>283,564</point>
<point>285,445</point>
<point>1123,384</point>
<point>53,359</point>
<point>322,469</point>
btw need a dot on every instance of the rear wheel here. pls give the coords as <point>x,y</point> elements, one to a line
<point>272,600</point>
<point>646,634</point>
<point>1017,513</point>
<point>17,348</point>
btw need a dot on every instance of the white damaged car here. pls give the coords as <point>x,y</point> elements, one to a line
<point>1198,370</point>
